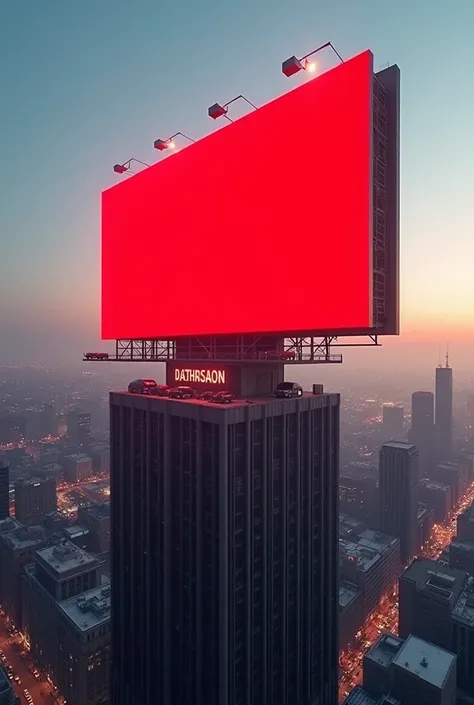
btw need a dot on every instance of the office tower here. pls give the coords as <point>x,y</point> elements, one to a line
<point>436,603</point>
<point>77,467</point>
<point>465,524</point>
<point>411,670</point>
<point>422,428</point>
<point>224,550</point>
<point>461,555</point>
<point>368,559</point>
<point>34,497</point>
<point>392,422</point>
<point>351,612</point>
<point>444,412</point>
<point>358,495</point>
<point>398,468</point>
<point>17,548</point>
<point>79,427</point>
<point>425,521</point>
<point>4,491</point>
<point>100,456</point>
<point>66,617</point>
<point>96,518</point>
<point>428,593</point>
<point>48,421</point>
<point>437,497</point>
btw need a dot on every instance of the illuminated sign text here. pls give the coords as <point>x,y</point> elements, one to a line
<point>206,376</point>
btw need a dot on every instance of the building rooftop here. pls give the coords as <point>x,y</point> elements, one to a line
<point>25,537</point>
<point>9,524</point>
<point>367,548</point>
<point>467,514</point>
<point>237,403</point>
<point>73,532</point>
<point>398,444</point>
<point>359,696</point>
<point>434,485</point>
<point>349,527</point>
<point>464,608</point>
<point>64,557</point>
<point>465,545</point>
<point>97,511</point>
<point>385,649</point>
<point>427,661</point>
<point>79,458</point>
<point>347,593</point>
<point>90,609</point>
<point>34,481</point>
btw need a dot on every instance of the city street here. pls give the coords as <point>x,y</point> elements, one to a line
<point>385,618</point>
<point>13,649</point>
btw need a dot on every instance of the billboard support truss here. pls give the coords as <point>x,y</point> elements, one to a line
<point>305,350</point>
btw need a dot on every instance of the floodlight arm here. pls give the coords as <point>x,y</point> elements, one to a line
<point>176,134</point>
<point>127,163</point>
<point>323,46</point>
<point>238,97</point>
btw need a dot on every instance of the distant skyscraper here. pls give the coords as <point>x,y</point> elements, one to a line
<point>48,420</point>
<point>4,491</point>
<point>422,427</point>
<point>398,482</point>
<point>392,422</point>
<point>79,427</point>
<point>444,412</point>
<point>34,498</point>
<point>225,551</point>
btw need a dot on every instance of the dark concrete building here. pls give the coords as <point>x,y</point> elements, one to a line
<point>34,498</point>
<point>422,427</point>
<point>66,617</point>
<point>393,428</point>
<point>79,427</point>
<point>4,491</point>
<point>444,412</point>
<point>398,468</point>
<point>224,550</point>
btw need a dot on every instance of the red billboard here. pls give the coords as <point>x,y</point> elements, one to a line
<point>263,226</point>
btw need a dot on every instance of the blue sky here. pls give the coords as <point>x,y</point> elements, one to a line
<point>87,84</point>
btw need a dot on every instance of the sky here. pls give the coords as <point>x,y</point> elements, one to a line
<point>87,84</point>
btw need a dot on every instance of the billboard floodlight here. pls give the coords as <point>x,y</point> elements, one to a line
<point>122,168</point>
<point>169,143</point>
<point>293,65</point>
<point>217,110</point>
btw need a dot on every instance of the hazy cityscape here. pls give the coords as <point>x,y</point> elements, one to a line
<point>236,368</point>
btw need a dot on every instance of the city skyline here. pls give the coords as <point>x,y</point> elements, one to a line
<point>99,84</point>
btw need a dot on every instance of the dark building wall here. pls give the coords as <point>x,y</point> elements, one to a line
<point>4,491</point>
<point>224,551</point>
<point>444,412</point>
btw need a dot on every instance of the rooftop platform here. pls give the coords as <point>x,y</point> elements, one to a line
<point>89,610</point>
<point>428,662</point>
<point>385,649</point>
<point>65,557</point>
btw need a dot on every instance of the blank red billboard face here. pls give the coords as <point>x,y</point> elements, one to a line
<point>262,226</point>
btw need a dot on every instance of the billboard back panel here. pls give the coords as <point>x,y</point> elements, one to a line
<point>262,226</point>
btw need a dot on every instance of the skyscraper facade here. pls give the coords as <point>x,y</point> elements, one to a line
<point>392,422</point>
<point>444,412</point>
<point>422,427</point>
<point>4,491</point>
<point>224,551</point>
<point>398,481</point>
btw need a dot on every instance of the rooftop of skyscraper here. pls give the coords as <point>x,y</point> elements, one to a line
<point>430,575</point>
<point>464,608</point>
<point>401,445</point>
<point>25,537</point>
<point>367,548</point>
<point>65,556</point>
<point>90,609</point>
<point>347,593</point>
<point>385,649</point>
<point>427,661</point>
<point>97,511</point>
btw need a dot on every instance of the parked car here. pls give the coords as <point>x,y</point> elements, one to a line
<point>286,390</point>
<point>161,390</point>
<point>142,386</point>
<point>206,396</point>
<point>223,398</point>
<point>182,393</point>
<point>96,356</point>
